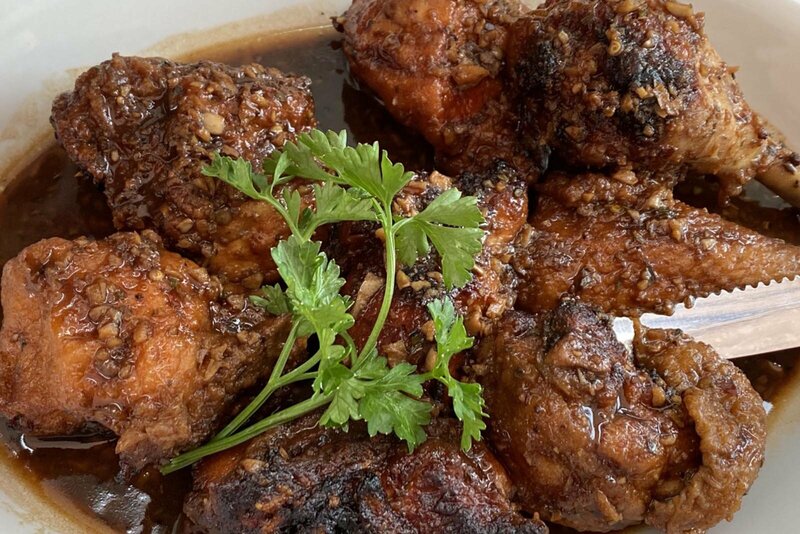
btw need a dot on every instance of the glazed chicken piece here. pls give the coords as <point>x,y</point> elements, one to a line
<point>615,83</point>
<point>145,127</point>
<point>123,334</point>
<point>492,290</point>
<point>624,244</point>
<point>303,478</point>
<point>438,68</point>
<point>728,417</point>
<point>756,209</point>
<point>597,439</point>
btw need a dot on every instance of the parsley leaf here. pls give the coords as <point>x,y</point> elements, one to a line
<point>452,224</point>
<point>301,158</point>
<point>450,333</point>
<point>365,167</point>
<point>368,168</point>
<point>294,207</point>
<point>391,411</point>
<point>457,247</point>
<point>387,398</point>
<point>451,338</point>
<point>454,210</point>
<point>335,203</point>
<point>239,174</point>
<point>312,286</point>
<point>468,405</point>
<point>273,299</point>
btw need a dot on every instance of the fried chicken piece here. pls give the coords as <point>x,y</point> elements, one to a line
<point>613,83</point>
<point>728,417</point>
<point>597,439</point>
<point>145,127</point>
<point>624,244</point>
<point>438,68</point>
<point>301,477</point>
<point>756,209</point>
<point>492,290</point>
<point>123,334</point>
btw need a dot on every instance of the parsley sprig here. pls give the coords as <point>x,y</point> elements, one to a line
<point>353,184</point>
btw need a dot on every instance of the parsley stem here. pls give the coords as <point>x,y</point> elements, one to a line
<point>213,447</point>
<point>288,345</point>
<point>388,288</point>
<point>276,204</point>
<point>351,345</point>
<point>272,384</point>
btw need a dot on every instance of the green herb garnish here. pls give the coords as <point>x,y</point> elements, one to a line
<point>353,184</point>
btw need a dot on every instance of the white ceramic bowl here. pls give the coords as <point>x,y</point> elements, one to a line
<point>47,42</point>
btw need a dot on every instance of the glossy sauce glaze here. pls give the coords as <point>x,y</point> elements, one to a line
<point>50,198</point>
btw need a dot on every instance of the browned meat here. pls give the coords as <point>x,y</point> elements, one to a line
<point>502,199</point>
<point>145,127</point>
<point>123,334</point>
<point>303,478</point>
<point>728,417</point>
<point>438,68</point>
<point>596,440</point>
<point>623,244</point>
<point>756,209</point>
<point>636,82</point>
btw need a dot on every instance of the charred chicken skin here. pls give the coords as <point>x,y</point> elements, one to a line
<point>303,478</point>
<point>597,439</point>
<point>145,127</point>
<point>623,244</point>
<point>438,68</point>
<point>123,334</point>
<point>637,83</point>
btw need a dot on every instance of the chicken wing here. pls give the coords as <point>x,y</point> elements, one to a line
<point>303,478</point>
<point>625,245</point>
<point>145,127</point>
<point>123,334</point>
<point>597,439</point>
<point>756,209</point>
<point>637,82</point>
<point>438,68</point>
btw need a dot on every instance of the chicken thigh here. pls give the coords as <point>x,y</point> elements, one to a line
<point>615,83</point>
<point>438,67</point>
<point>145,127</point>
<point>122,334</point>
<point>597,439</point>
<point>303,478</point>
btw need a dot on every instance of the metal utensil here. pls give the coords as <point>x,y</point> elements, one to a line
<point>742,322</point>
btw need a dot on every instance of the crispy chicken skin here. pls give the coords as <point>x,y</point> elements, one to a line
<point>636,82</point>
<point>123,334</point>
<point>597,439</point>
<point>438,67</point>
<point>492,290</point>
<point>624,244</point>
<point>303,478</point>
<point>145,127</point>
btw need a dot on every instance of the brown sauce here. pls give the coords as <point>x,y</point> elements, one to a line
<point>50,198</point>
